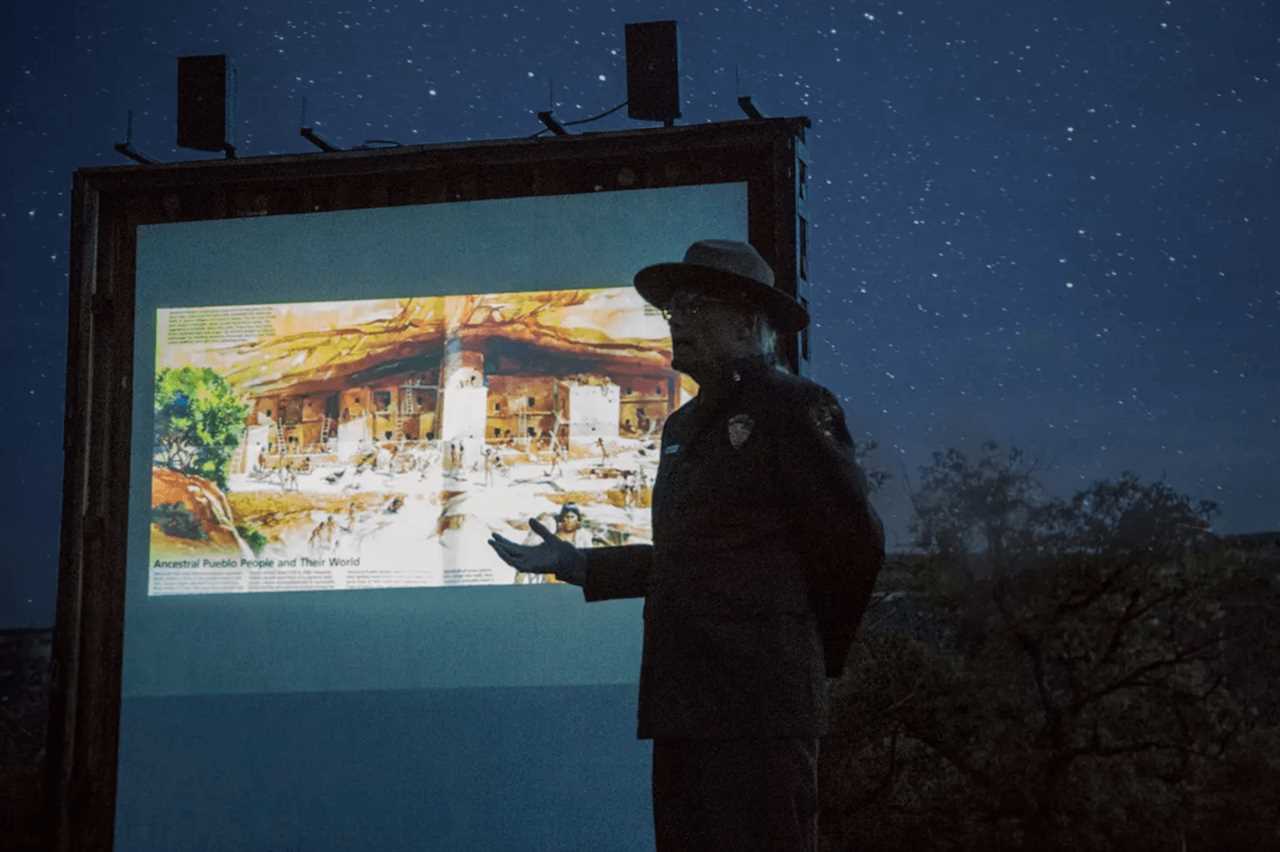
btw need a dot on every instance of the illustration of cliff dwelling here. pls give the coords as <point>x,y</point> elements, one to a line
<point>497,370</point>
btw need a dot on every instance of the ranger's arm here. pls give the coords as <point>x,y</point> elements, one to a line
<point>840,532</point>
<point>617,572</point>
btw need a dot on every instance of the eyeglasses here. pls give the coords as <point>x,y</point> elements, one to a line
<point>691,304</point>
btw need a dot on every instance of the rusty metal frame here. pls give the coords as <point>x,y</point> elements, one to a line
<point>108,205</point>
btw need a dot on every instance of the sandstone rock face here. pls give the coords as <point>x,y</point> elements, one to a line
<point>204,501</point>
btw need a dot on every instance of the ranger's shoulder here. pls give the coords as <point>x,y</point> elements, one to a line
<point>808,407</point>
<point>789,389</point>
<point>681,413</point>
<point>675,421</point>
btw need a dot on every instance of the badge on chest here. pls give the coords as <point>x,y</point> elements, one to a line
<point>740,426</point>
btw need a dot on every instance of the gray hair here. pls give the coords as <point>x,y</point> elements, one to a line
<point>765,336</point>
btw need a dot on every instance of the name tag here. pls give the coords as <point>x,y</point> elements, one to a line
<point>671,450</point>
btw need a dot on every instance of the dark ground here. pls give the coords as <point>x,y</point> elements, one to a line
<point>24,716</point>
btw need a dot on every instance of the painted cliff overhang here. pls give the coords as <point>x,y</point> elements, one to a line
<point>316,347</point>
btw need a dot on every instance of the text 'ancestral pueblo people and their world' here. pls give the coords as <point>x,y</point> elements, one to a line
<point>379,443</point>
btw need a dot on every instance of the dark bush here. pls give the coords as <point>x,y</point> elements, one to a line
<point>253,537</point>
<point>176,520</point>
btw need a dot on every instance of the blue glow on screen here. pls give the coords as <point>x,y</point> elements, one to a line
<point>459,684</point>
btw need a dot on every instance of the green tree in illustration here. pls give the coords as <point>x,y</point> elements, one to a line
<point>199,422</point>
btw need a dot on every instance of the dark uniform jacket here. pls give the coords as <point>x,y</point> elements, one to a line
<point>764,556</point>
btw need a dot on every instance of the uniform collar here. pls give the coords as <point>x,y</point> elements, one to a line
<point>731,379</point>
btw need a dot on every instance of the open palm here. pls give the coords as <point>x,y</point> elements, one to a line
<point>551,556</point>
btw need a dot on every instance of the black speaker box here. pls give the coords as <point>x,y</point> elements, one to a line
<point>205,89</point>
<point>653,71</point>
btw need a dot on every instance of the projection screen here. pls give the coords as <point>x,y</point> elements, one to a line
<point>331,414</point>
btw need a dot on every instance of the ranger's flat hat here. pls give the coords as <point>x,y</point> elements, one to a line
<point>723,269</point>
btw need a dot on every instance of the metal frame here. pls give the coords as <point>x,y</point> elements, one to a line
<point>110,203</point>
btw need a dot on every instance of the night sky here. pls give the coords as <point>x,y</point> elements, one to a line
<point>1050,224</point>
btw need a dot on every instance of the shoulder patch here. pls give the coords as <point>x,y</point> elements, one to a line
<point>740,426</point>
<point>828,418</point>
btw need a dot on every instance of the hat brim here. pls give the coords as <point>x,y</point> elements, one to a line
<point>658,283</point>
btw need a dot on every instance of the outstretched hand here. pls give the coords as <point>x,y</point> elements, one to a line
<point>552,556</point>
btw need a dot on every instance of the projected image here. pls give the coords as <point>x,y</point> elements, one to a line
<point>378,443</point>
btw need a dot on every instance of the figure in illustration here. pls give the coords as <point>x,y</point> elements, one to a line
<point>557,456</point>
<point>288,478</point>
<point>490,464</point>
<point>323,537</point>
<point>630,497</point>
<point>569,526</point>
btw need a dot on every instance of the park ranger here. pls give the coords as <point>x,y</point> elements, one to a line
<point>765,550</point>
